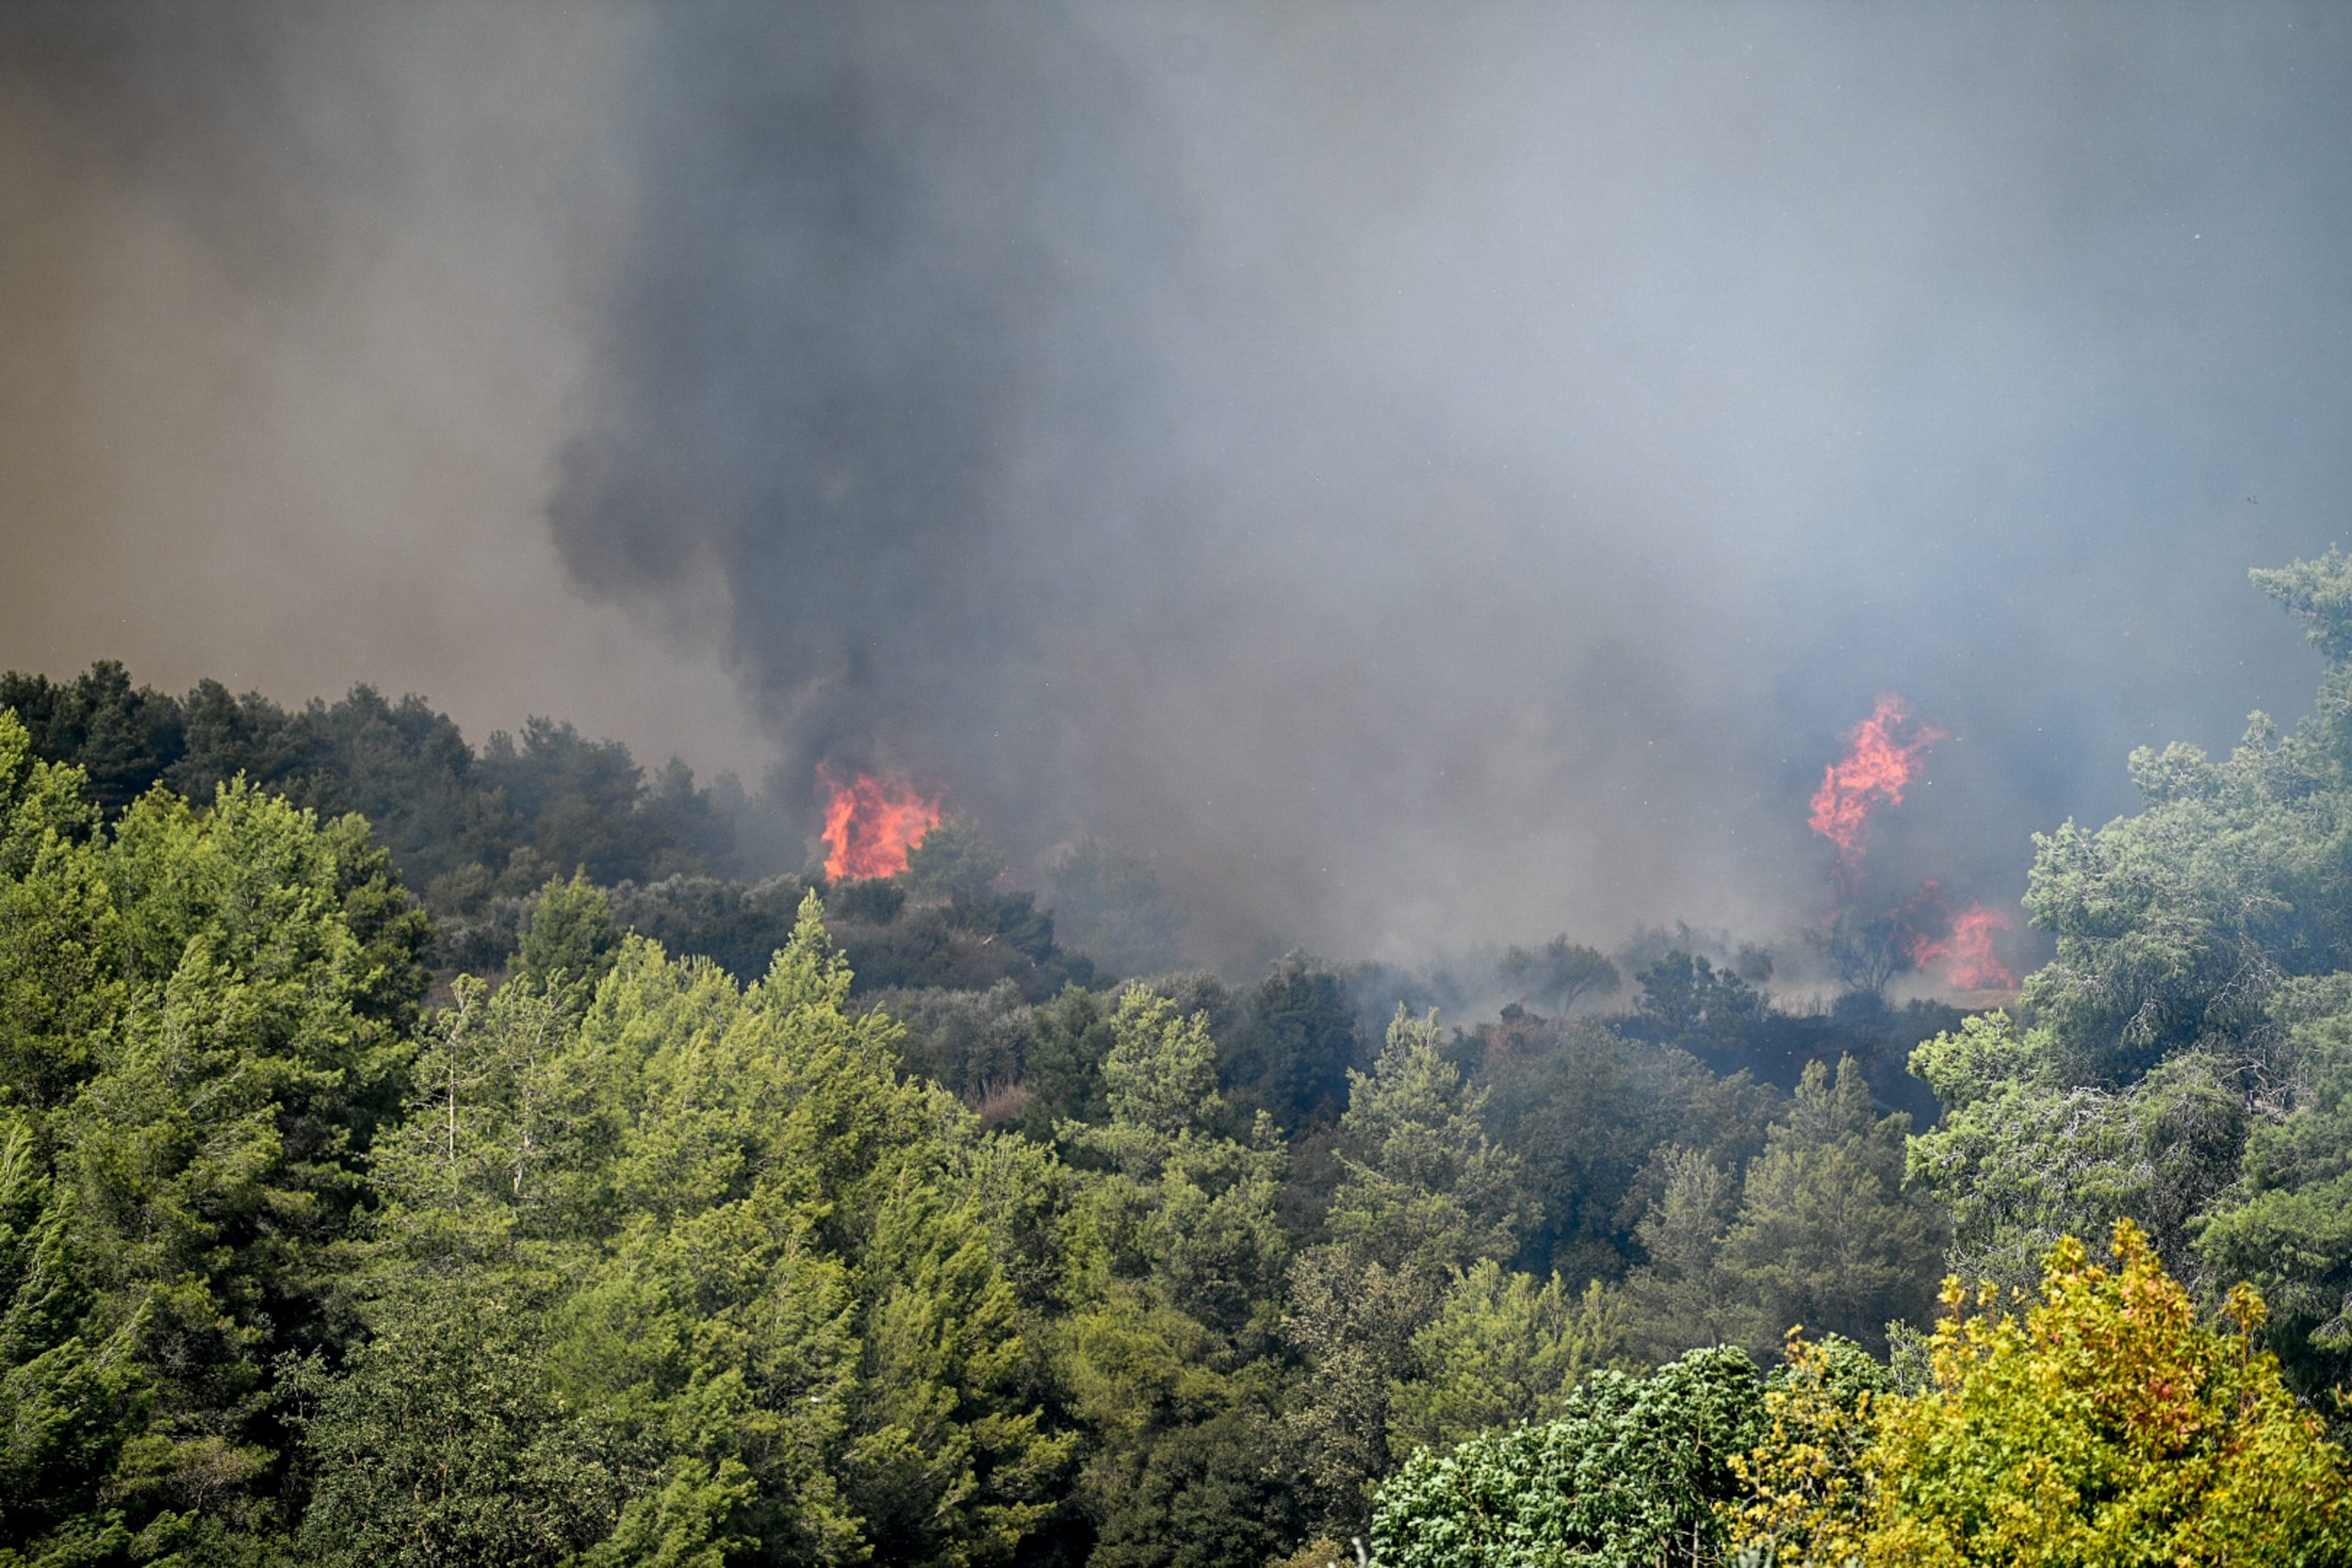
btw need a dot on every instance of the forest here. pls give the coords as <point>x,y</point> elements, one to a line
<point>418,1153</point>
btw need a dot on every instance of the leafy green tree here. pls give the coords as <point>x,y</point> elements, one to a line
<point>1064,1072</point>
<point>579,796</point>
<point>1425,1195</point>
<point>1687,1001</point>
<point>976,1044</point>
<point>1591,1113</point>
<point>1630,1476</point>
<point>2021,1157</point>
<point>1112,908</point>
<point>736,925</point>
<point>1425,1189</point>
<point>1502,1348</point>
<point>67,1404</point>
<point>121,737</point>
<point>1294,1046</point>
<point>1560,973</point>
<point>59,985</point>
<point>1827,1235</point>
<point>442,1444</point>
<point>954,858</point>
<point>204,1030</point>
<point>782,1310</point>
<point>1351,1324</point>
<point>1177,1259</point>
<point>2171,1055</point>
<point>567,940</point>
<point>1210,1494</point>
<point>2174,928</point>
<point>1681,1297</point>
<point>1183,1206</point>
<point>2285,1222</point>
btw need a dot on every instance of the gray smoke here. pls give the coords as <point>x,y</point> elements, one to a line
<point>1424,471</point>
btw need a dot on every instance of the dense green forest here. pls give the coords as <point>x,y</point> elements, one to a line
<point>417,1155</point>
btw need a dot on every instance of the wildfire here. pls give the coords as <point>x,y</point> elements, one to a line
<point>871,823</point>
<point>1883,755</point>
<point>1966,949</point>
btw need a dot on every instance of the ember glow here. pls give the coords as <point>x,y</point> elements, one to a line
<point>1882,756</point>
<point>1965,949</point>
<point>872,823</point>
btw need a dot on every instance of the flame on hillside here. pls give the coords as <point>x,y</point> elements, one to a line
<point>1964,947</point>
<point>1882,756</point>
<point>873,823</point>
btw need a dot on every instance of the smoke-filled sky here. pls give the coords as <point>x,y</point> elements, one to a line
<point>1423,472</point>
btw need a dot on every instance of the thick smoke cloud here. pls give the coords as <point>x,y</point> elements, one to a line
<point>293,302</point>
<point>1410,468</point>
<point>1423,471</point>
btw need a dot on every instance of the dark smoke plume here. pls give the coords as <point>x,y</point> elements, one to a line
<point>875,357</point>
<point>1422,471</point>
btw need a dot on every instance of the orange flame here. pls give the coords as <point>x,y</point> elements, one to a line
<point>871,824</point>
<point>1966,949</point>
<point>1879,762</point>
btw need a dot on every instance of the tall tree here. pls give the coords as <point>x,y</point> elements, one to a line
<point>1827,1235</point>
<point>1425,1189</point>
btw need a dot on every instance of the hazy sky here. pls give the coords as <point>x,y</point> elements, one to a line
<point>1419,470</point>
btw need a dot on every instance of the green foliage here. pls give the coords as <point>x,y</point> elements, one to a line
<point>2285,1222</point>
<point>1593,1116</point>
<point>567,940</point>
<point>1210,1496</point>
<point>736,925</point>
<point>1688,1002</point>
<point>461,825</point>
<point>1064,1071</point>
<point>638,1258</point>
<point>1631,1475</point>
<point>1682,1296</point>
<point>2018,1161</point>
<point>206,1024</point>
<point>1351,1324</point>
<point>2104,1422</point>
<point>954,859</point>
<point>1183,1206</point>
<point>58,987</point>
<point>1803,1481</point>
<point>440,1443</point>
<point>66,1406</point>
<point>1502,1350</point>
<point>777,1306</point>
<point>2172,1063</point>
<point>976,1043</point>
<point>120,738</point>
<point>973,941</point>
<point>1290,1053</point>
<point>1827,1235</point>
<point>1425,1189</point>
<point>2176,927</point>
<point>1111,907</point>
<point>1560,973</point>
<point>2318,593</point>
<point>1423,1196</point>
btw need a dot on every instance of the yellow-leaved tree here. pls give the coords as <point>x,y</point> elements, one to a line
<point>2099,1420</point>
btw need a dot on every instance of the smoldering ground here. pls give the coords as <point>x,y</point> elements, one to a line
<point>1418,472</point>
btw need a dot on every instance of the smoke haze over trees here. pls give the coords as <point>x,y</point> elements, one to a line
<point>1393,468</point>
